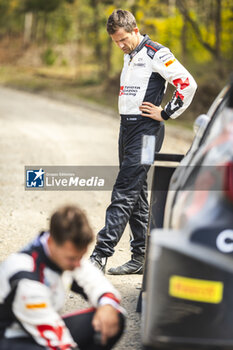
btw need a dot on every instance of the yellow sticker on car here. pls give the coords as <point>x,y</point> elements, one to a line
<point>36,306</point>
<point>196,289</point>
<point>169,62</point>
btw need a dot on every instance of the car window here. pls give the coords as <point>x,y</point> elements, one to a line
<point>215,109</point>
<point>220,99</point>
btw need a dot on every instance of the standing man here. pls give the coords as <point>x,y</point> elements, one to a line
<point>148,66</point>
<point>32,292</point>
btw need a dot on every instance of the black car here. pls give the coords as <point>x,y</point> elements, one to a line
<point>187,298</point>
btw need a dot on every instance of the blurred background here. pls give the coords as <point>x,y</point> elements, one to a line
<point>62,46</point>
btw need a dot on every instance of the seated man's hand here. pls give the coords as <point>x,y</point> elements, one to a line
<point>106,321</point>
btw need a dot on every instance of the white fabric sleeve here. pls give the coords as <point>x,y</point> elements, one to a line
<point>93,282</point>
<point>33,308</point>
<point>165,63</point>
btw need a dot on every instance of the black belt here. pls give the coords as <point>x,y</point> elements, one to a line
<point>131,117</point>
<point>134,118</point>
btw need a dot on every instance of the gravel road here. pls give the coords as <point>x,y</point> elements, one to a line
<point>38,130</point>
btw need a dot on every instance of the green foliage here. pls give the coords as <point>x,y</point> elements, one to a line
<point>41,5</point>
<point>64,62</point>
<point>10,18</point>
<point>49,57</point>
<point>58,22</point>
<point>61,25</point>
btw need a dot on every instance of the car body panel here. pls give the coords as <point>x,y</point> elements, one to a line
<point>187,298</point>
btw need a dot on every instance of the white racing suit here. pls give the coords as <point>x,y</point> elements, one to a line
<point>32,294</point>
<point>145,73</point>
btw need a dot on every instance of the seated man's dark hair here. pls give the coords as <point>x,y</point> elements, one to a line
<point>70,223</point>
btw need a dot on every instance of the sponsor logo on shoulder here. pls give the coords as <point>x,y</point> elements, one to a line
<point>169,62</point>
<point>166,56</point>
<point>36,306</point>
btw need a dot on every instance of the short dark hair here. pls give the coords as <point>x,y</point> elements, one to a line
<point>70,223</point>
<point>121,19</point>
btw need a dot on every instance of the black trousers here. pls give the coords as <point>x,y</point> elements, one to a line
<point>129,196</point>
<point>81,330</point>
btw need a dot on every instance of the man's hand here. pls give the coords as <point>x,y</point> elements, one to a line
<point>151,111</point>
<point>106,321</point>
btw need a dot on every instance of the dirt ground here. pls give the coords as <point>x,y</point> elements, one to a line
<point>36,130</point>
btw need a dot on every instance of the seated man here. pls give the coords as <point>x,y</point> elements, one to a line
<point>32,292</point>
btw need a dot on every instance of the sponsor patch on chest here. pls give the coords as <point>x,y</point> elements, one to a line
<point>129,90</point>
<point>139,64</point>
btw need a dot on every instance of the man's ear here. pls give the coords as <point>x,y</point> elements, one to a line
<point>50,241</point>
<point>136,30</point>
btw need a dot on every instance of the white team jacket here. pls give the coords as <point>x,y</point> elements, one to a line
<point>35,294</point>
<point>144,76</point>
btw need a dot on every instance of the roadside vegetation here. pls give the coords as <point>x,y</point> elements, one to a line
<point>61,46</point>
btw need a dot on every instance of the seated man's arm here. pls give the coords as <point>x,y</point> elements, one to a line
<point>93,282</point>
<point>32,307</point>
<point>104,296</point>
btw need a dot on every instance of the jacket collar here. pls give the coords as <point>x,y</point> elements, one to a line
<point>39,245</point>
<point>139,47</point>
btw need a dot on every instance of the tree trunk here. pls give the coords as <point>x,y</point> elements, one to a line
<point>44,29</point>
<point>34,26</point>
<point>28,21</point>
<point>96,30</point>
<point>184,10</point>
<point>79,52</point>
<point>184,36</point>
<point>218,28</point>
<point>108,60</point>
<point>171,7</point>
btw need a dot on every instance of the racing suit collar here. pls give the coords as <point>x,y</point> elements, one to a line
<point>139,47</point>
<point>44,244</point>
<point>38,245</point>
